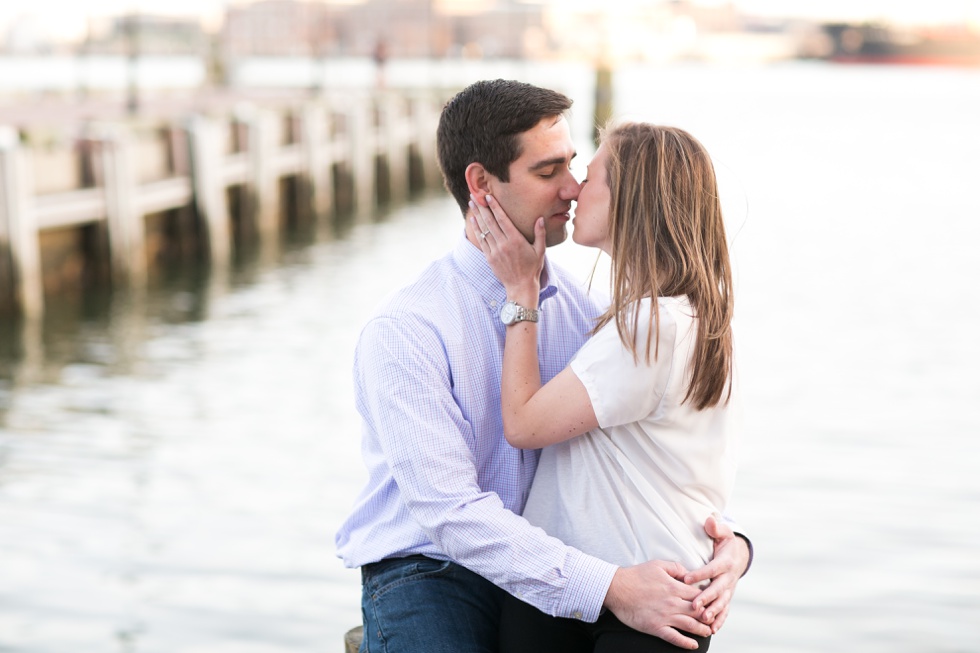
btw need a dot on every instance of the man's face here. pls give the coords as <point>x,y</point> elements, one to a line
<point>541,183</point>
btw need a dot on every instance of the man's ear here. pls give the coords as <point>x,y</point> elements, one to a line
<point>478,180</point>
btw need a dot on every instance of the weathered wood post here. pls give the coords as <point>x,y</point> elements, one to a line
<point>603,98</point>
<point>178,145</point>
<point>262,146</point>
<point>125,221</point>
<point>20,254</point>
<point>352,639</point>
<point>318,159</point>
<point>396,134</point>
<point>363,152</point>
<point>209,187</point>
<point>425,134</point>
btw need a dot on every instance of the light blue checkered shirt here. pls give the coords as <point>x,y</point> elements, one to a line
<point>443,481</point>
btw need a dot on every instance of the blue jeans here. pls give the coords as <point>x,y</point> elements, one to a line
<point>421,605</point>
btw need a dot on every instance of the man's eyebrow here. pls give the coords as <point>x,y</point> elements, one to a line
<point>556,161</point>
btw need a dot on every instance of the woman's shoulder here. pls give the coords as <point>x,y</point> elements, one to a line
<point>671,309</point>
<point>674,321</point>
<point>677,304</point>
<point>677,310</point>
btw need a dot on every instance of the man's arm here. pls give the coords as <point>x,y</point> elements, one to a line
<point>405,396</point>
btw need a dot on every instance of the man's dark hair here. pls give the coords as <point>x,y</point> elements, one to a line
<point>482,124</point>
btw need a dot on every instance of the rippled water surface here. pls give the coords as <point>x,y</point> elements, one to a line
<point>173,467</point>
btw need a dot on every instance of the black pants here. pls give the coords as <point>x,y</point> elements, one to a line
<point>524,628</point>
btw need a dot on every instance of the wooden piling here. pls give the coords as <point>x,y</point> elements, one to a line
<point>20,255</point>
<point>125,220</point>
<point>603,98</point>
<point>395,143</point>
<point>361,119</point>
<point>264,181</point>
<point>352,639</point>
<point>209,187</point>
<point>424,120</point>
<point>317,158</point>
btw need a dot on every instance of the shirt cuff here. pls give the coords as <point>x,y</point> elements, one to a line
<point>588,583</point>
<point>748,543</point>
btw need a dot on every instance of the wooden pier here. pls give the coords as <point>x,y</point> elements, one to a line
<point>109,197</point>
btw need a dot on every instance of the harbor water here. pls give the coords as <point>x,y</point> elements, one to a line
<point>173,465</point>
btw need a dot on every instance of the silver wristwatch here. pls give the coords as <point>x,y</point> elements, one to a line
<point>512,313</point>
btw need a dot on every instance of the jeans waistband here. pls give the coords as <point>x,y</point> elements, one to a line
<point>408,558</point>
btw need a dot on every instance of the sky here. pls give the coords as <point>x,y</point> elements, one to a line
<point>68,18</point>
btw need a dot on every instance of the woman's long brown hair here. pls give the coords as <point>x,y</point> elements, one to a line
<point>668,239</point>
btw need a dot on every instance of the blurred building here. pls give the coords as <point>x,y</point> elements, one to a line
<point>956,45</point>
<point>28,34</point>
<point>146,34</point>
<point>275,27</point>
<point>398,28</point>
<point>659,30</point>
<point>640,30</point>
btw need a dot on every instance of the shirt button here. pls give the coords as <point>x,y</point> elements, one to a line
<point>577,614</point>
<point>493,303</point>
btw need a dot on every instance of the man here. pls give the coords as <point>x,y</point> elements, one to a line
<point>437,531</point>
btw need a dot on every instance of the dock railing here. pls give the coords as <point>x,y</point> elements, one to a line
<point>345,154</point>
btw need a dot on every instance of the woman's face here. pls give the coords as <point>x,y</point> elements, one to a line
<point>591,221</point>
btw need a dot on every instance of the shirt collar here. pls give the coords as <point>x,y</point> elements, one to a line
<point>475,269</point>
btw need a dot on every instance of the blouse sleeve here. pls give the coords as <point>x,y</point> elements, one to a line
<point>624,390</point>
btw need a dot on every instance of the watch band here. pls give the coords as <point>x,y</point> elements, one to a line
<point>526,314</point>
<point>512,313</point>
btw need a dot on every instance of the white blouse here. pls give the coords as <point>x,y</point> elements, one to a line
<point>641,485</point>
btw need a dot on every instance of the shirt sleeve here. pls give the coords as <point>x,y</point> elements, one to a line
<point>404,389</point>
<point>623,389</point>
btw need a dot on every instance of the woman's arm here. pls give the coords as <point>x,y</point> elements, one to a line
<point>554,413</point>
<point>533,416</point>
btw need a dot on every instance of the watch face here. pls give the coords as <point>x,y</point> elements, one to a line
<point>508,313</point>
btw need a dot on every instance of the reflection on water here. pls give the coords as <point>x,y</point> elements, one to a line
<point>173,465</point>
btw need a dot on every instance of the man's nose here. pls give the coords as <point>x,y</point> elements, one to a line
<point>570,187</point>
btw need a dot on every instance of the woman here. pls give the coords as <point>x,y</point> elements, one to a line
<point>637,430</point>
